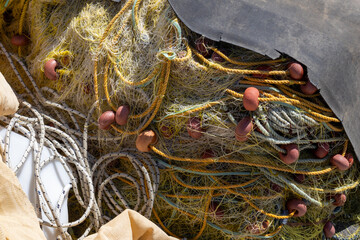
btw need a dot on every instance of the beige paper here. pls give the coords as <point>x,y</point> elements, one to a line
<point>9,104</point>
<point>17,215</point>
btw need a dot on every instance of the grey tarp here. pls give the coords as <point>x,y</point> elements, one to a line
<point>322,34</point>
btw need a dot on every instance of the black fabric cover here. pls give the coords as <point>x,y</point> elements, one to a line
<point>322,34</point>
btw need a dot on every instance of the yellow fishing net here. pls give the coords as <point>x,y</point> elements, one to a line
<point>200,180</point>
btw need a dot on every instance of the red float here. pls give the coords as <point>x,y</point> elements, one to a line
<point>251,99</point>
<point>298,206</point>
<point>292,153</point>
<point>106,119</point>
<point>243,129</point>
<point>122,115</point>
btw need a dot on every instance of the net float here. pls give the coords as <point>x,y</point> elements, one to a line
<point>308,88</point>
<point>340,199</point>
<point>258,228</point>
<point>166,131</point>
<point>253,229</point>
<point>106,119</point>
<point>215,210</point>
<point>243,129</point>
<point>216,57</point>
<point>298,206</point>
<point>122,115</point>
<point>202,45</point>
<point>144,140</point>
<point>251,99</point>
<point>340,162</point>
<point>329,230</point>
<point>208,154</point>
<point>300,178</point>
<point>265,224</point>
<point>194,128</point>
<point>276,187</point>
<point>350,158</point>
<point>296,71</point>
<point>20,40</point>
<point>322,150</point>
<point>292,153</point>
<point>50,69</point>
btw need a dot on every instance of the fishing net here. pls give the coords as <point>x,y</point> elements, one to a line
<point>200,179</point>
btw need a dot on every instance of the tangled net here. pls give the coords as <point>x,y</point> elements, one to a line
<point>199,179</point>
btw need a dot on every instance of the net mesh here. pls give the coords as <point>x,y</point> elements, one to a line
<point>197,182</point>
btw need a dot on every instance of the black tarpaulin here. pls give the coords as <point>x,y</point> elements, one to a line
<point>322,34</point>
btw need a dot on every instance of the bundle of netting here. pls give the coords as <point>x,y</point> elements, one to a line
<point>205,138</point>
<point>101,185</point>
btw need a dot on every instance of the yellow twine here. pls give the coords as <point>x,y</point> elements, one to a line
<point>246,63</point>
<point>234,70</point>
<point>207,205</point>
<point>161,93</point>
<point>213,187</point>
<point>311,113</point>
<point>21,22</point>
<point>273,81</point>
<point>214,160</point>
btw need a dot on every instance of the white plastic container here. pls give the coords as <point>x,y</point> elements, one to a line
<point>53,176</point>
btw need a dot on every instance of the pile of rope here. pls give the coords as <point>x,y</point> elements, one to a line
<point>237,144</point>
<point>45,126</point>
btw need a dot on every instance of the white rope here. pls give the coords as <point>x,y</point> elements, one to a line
<point>94,188</point>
